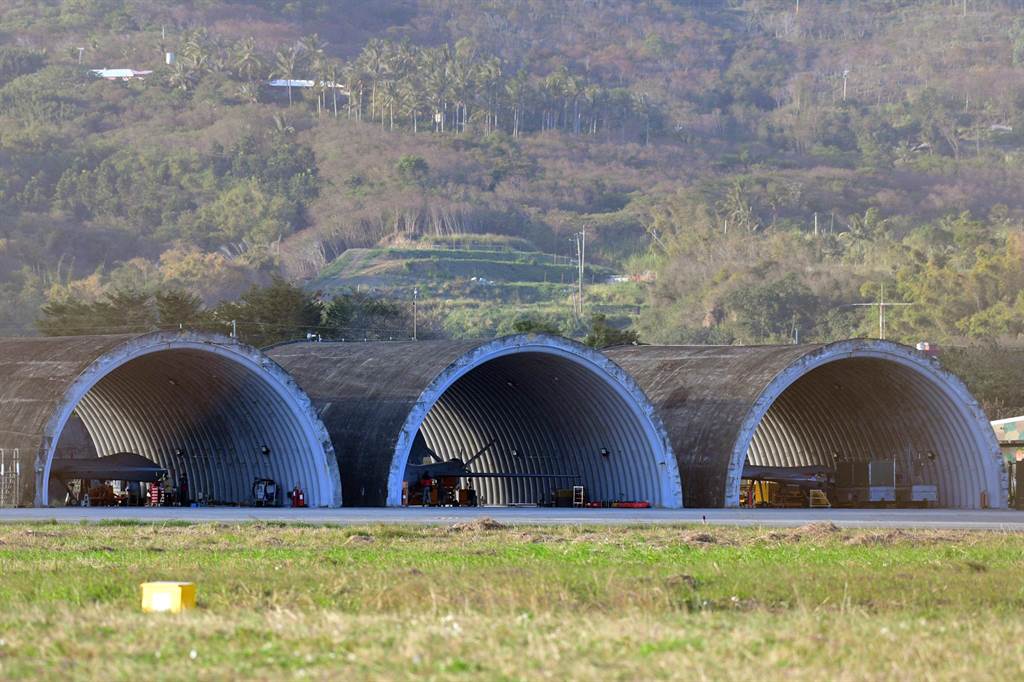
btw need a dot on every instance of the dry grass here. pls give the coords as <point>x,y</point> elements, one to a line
<point>485,601</point>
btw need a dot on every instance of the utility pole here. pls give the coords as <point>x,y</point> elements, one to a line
<point>882,305</point>
<point>846,77</point>
<point>416,296</point>
<point>581,257</point>
<point>234,329</point>
<point>583,262</point>
<point>80,51</point>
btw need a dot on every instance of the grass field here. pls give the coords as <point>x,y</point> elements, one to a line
<point>484,602</point>
<point>477,290</point>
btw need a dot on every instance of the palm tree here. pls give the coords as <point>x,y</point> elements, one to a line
<point>354,85</point>
<point>437,66</point>
<point>312,44</point>
<point>334,73</point>
<point>249,92</point>
<point>246,59</point>
<point>286,64</point>
<point>488,77</point>
<point>390,96</point>
<point>372,62</point>
<point>573,90</point>
<point>247,64</point>
<point>281,126</point>
<point>314,53</point>
<point>181,77</point>
<point>516,89</point>
<point>313,47</point>
<point>463,72</point>
<point>411,91</point>
<point>196,51</point>
<point>592,96</point>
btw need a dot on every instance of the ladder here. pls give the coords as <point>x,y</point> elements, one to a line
<point>10,473</point>
<point>578,496</point>
<point>818,500</point>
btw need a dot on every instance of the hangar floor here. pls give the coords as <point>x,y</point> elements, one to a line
<point>853,518</point>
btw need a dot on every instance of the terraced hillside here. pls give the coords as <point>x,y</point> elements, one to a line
<point>478,286</point>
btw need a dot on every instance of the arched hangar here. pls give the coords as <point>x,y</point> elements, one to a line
<point>729,407</point>
<point>200,404</point>
<point>539,412</point>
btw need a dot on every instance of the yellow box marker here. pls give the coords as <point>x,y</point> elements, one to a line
<point>175,597</point>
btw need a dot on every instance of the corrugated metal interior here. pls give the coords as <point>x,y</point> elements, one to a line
<point>550,416</point>
<point>205,415</point>
<point>861,409</point>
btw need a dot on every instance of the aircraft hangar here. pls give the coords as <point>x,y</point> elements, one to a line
<point>516,417</point>
<point>542,411</point>
<point>733,407</point>
<point>202,405</point>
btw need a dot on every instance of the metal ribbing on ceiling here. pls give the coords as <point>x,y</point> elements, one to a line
<point>565,403</point>
<point>812,404</point>
<point>859,409</point>
<point>550,415</point>
<point>206,415</point>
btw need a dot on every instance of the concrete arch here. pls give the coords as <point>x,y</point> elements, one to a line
<point>200,404</point>
<point>550,404</point>
<point>816,405</point>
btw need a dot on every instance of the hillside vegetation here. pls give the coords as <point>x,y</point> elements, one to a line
<point>761,164</point>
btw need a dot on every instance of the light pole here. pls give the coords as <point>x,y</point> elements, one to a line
<point>415,312</point>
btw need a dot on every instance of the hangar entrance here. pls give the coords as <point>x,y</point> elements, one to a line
<point>867,432</point>
<point>530,428</point>
<point>220,417</point>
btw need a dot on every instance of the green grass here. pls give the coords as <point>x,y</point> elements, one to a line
<point>479,292</point>
<point>473,602</point>
<point>405,265</point>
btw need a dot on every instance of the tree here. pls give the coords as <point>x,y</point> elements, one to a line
<point>359,315</point>
<point>15,62</point>
<point>197,52</point>
<point>181,77</point>
<point>603,335</point>
<point>314,54</point>
<point>517,90</point>
<point>126,309</point>
<point>277,312</point>
<point>314,47</point>
<point>286,66</point>
<point>390,98</point>
<point>246,60</point>
<point>70,317</point>
<point>411,95</point>
<point>178,308</point>
<point>772,311</point>
<point>939,119</point>
<point>245,211</point>
<point>412,169</point>
<point>120,311</point>
<point>372,62</point>
<point>530,325</point>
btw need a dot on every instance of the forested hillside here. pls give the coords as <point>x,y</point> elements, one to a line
<point>751,167</point>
